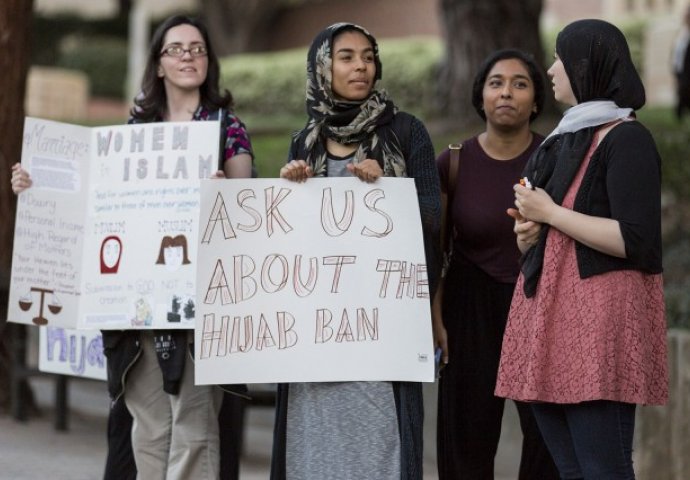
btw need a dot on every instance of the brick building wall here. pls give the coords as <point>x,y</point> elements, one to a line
<point>383,18</point>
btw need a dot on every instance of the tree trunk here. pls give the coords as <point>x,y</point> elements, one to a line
<point>472,30</point>
<point>239,25</point>
<point>15,35</point>
<point>124,7</point>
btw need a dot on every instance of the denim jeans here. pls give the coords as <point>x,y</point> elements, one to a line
<point>589,440</point>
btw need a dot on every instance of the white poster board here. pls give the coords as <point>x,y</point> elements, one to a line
<point>320,281</point>
<point>106,236</point>
<point>77,353</point>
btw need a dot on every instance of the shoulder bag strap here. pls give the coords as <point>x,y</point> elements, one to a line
<point>453,168</point>
<point>223,139</point>
<point>447,233</point>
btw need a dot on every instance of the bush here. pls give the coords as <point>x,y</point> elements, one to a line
<point>98,47</point>
<point>103,59</point>
<point>49,31</point>
<point>410,71</point>
<point>266,84</point>
<point>274,83</point>
<point>671,140</point>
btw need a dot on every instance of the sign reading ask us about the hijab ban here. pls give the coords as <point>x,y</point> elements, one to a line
<point>318,281</point>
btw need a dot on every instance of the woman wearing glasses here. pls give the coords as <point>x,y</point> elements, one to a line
<point>175,431</point>
<point>174,434</point>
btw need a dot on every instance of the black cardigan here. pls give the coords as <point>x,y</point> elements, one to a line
<point>623,182</point>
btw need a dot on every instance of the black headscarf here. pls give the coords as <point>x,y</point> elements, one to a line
<point>366,122</point>
<point>597,60</point>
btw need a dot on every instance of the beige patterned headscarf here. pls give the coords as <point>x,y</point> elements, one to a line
<point>366,122</point>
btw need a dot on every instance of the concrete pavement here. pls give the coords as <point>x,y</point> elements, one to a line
<point>33,450</point>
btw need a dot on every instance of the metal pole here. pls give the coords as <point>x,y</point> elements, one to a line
<point>139,33</point>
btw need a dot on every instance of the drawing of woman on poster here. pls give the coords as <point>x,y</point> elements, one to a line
<point>111,252</point>
<point>173,252</point>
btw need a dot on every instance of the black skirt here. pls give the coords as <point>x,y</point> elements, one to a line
<point>475,312</point>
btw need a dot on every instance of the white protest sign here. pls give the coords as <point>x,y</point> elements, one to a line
<point>48,237</point>
<point>105,238</point>
<point>320,281</point>
<point>71,352</point>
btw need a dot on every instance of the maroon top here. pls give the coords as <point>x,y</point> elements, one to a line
<point>484,191</point>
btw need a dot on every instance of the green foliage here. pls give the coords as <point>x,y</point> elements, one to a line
<point>103,59</point>
<point>266,83</point>
<point>274,83</point>
<point>634,34</point>
<point>677,282</point>
<point>98,47</point>
<point>48,33</point>
<point>672,142</point>
<point>672,139</point>
<point>270,152</point>
<point>410,71</point>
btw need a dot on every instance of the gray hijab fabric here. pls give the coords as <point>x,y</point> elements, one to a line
<point>590,114</point>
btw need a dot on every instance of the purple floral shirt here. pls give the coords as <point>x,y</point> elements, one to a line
<point>237,139</point>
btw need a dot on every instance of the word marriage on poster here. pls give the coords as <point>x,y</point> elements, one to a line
<point>106,236</point>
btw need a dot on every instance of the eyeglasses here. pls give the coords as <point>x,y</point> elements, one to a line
<point>178,52</point>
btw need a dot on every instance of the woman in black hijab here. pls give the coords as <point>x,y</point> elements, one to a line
<point>586,334</point>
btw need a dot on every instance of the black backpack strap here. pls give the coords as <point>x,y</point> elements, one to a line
<point>220,115</point>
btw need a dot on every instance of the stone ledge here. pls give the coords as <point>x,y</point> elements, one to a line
<point>56,94</point>
<point>662,436</point>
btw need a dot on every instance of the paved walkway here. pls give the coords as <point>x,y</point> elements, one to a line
<point>33,450</point>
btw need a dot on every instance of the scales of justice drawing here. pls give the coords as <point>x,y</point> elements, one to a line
<point>26,302</point>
